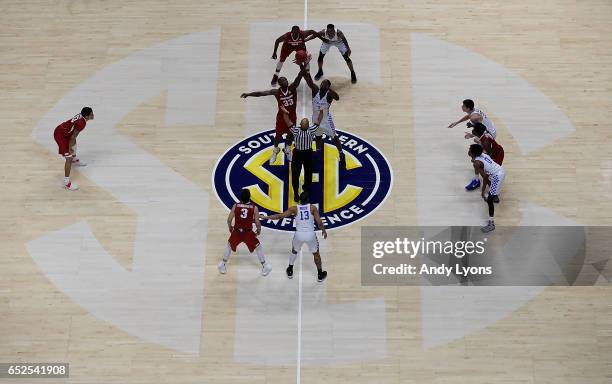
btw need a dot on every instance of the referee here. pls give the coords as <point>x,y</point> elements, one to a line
<point>302,155</point>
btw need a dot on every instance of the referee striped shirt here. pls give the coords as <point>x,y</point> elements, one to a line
<point>303,138</point>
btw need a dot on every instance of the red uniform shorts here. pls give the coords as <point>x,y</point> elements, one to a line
<point>287,49</point>
<point>245,236</point>
<point>281,126</point>
<point>499,157</point>
<point>63,143</point>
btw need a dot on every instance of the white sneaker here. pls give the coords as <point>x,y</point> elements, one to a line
<point>222,268</point>
<point>71,186</point>
<point>267,268</point>
<point>288,152</point>
<point>274,155</point>
<point>79,162</point>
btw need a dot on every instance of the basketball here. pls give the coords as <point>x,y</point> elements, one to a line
<point>301,56</point>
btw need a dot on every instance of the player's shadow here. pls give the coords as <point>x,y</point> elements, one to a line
<point>338,83</point>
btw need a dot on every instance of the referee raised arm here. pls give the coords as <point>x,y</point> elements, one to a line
<point>302,154</point>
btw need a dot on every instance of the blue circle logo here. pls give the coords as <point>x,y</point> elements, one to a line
<point>343,196</point>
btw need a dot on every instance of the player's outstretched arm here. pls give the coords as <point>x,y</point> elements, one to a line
<point>230,217</point>
<point>311,84</point>
<point>314,36</point>
<point>312,32</point>
<point>345,41</point>
<point>298,79</point>
<point>464,118</point>
<point>270,92</point>
<point>276,43</point>
<point>257,222</point>
<point>315,215</point>
<point>469,135</point>
<point>289,212</point>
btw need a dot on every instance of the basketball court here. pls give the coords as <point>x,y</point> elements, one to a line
<point>120,280</point>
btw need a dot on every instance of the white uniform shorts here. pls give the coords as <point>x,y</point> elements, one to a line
<point>496,183</point>
<point>327,126</point>
<point>309,238</point>
<point>338,44</point>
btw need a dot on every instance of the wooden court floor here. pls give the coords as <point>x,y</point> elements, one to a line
<point>415,62</point>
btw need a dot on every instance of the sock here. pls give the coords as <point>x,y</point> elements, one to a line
<point>227,253</point>
<point>260,254</point>
<point>491,219</point>
<point>475,179</point>
<point>319,269</point>
<point>292,257</point>
<point>66,180</point>
<point>279,66</point>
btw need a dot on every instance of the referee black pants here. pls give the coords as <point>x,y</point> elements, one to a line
<point>301,157</point>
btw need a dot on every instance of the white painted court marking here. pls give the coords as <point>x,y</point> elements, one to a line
<point>443,74</point>
<point>299,327</point>
<point>329,334</point>
<point>160,300</point>
<point>298,370</point>
<point>299,346</point>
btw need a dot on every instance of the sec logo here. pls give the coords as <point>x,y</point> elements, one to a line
<point>343,196</point>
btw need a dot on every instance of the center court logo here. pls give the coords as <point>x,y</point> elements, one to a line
<point>343,196</point>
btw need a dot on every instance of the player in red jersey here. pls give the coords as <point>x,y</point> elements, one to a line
<point>489,145</point>
<point>243,214</point>
<point>65,136</point>
<point>293,41</point>
<point>286,97</point>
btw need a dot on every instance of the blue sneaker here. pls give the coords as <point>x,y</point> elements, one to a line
<point>475,183</point>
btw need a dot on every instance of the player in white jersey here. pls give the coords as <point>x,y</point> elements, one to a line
<point>334,37</point>
<point>475,115</point>
<point>306,215</point>
<point>322,97</point>
<point>492,174</point>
